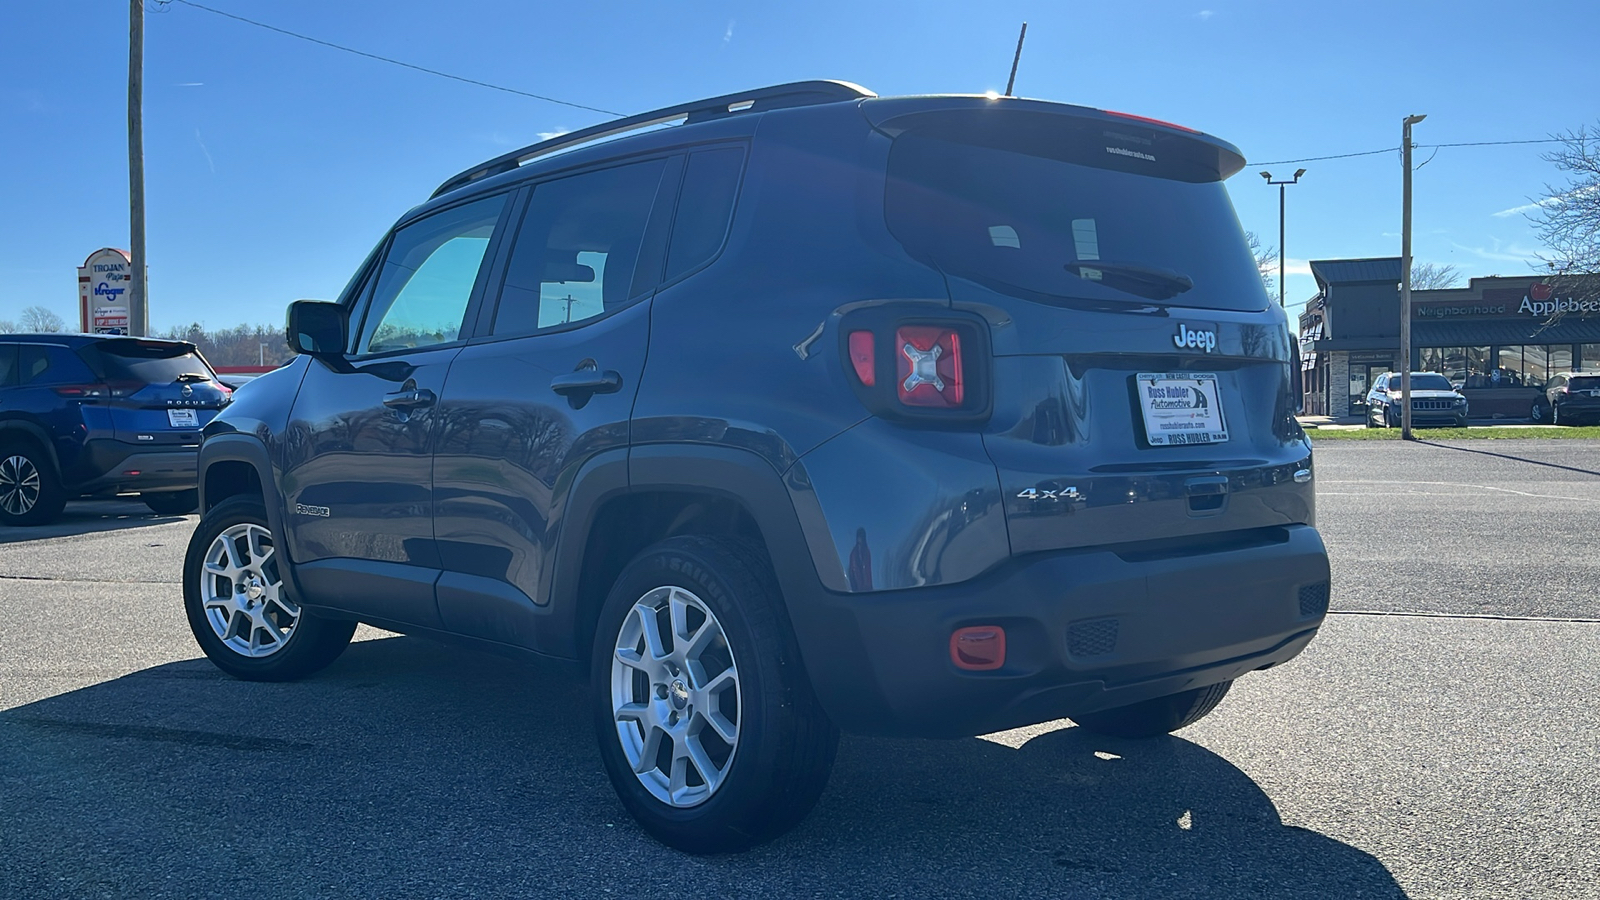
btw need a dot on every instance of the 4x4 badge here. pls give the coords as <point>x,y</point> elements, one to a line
<point>1066,493</point>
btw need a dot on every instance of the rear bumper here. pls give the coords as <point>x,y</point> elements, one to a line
<point>165,470</point>
<point>1085,630</point>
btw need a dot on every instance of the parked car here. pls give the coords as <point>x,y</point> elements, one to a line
<point>1434,401</point>
<point>922,416</point>
<point>94,416</point>
<point>236,380</point>
<point>1570,398</point>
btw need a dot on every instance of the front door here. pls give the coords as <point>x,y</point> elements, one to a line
<point>547,388</point>
<point>357,480</point>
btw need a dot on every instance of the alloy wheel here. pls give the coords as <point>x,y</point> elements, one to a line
<point>675,697</point>
<point>242,592</point>
<point>19,485</point>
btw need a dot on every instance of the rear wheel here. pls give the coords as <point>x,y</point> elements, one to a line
<point>707,724</point>
<point>30,492</point>
<point>1153,718</point>
<point>1538,412</point>
<point>240,610</point>
<point>172,503</point>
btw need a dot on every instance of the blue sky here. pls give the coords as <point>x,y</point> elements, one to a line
<point>273,165</point>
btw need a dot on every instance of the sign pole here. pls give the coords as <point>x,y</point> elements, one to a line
<point>138,312</point>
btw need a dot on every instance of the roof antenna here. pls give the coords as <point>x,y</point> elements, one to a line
<point>1011,82</point>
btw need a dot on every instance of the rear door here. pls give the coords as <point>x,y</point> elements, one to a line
<point>357,476</point>
<point>1142,385</point>
<point>548,387</point>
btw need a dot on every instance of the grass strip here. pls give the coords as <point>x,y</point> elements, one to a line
<point>1453,434</point>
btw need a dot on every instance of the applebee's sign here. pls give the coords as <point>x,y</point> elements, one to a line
<point>1539,302</point>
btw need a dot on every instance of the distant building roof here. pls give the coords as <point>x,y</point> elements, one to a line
<point>1356,271</point>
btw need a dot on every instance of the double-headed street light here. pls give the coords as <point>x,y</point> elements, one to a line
<point>1282,257</point>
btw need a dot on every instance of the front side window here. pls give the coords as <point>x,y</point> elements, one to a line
<point>427,277</point>
<point>576,253</point>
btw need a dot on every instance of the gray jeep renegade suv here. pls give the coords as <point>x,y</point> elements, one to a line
<point>819,411</point>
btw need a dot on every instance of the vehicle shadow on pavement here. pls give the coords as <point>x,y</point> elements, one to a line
<point>89,517</point>
<point>413,769</point>
<point>1520,459</point>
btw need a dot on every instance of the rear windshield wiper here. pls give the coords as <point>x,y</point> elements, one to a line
<point>1153,282</point>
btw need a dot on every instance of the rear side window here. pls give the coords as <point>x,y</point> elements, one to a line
<point>143,362</point>
<point>710,185</point>
<point>1046,207</point>
<point>577,249</point>
<point>8,365</point>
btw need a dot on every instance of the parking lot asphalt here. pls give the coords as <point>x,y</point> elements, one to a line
<point>1436,740</point>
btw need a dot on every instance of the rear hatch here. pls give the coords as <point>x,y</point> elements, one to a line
<point>1584,391</point>
<point>161,393</point>
<point>1143,382</point>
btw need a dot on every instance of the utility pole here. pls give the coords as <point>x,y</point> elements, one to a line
<point>138,306</point>
<point>1012,81</point>
<point>1405,277</point>
<point>1283,257</point>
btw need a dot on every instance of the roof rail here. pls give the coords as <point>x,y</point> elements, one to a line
<point>798,93</point>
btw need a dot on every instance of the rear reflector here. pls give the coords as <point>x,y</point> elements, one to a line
<point>928,366</point>
<point>82,390</point>
<point>863,358</point>
<point>978,648</point>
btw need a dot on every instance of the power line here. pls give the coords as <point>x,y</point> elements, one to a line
<point>394,62</point>
<point>1285,162</point>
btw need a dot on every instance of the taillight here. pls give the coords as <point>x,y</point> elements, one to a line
<point>909,366</point>
<point>928,359</point>
<point>82,391</point>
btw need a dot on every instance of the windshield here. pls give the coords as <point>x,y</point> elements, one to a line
<point>1039,211</point>
<point>1423,381</point>
<point>147,362</point>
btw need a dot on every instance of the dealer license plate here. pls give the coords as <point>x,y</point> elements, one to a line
<point>1181,408</point>
<point>182,418</point>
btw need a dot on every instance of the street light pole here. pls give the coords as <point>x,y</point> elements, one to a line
<point>1405,276</point>
<point>1283,258</point>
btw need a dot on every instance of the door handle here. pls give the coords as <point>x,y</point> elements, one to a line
<point>587,381</point>
<point>408,400</point>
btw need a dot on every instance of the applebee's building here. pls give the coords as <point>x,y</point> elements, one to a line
<point>1498,339</point>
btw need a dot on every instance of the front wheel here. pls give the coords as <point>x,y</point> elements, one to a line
<point>240,610</point>
<point>707,723</point>
<point>1538,412</point>
<point>1153,718</point>
<point>1555,414</point>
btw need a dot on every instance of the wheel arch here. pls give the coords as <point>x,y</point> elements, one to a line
<point>32,432</point>
<point>235,464</point>
<point>666,491</point>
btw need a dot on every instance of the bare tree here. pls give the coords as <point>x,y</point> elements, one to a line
<point>1432,276</point>
<point>1568,219</point>
<point>1266,261</point>
<point>7,326</point>
<point>40,319</point>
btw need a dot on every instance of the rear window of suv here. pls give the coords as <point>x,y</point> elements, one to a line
<point>1029,204</point>
<point>146,362</point>
<point>1588,383</point>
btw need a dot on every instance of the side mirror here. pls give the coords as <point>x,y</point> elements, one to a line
<point>317,328</point>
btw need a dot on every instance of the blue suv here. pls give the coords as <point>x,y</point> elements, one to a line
<point>819,411</point>
<point>91,416</point>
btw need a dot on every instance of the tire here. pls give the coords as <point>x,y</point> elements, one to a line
<point>764,781</point>
<point>1153,718</point>
<point>1461,422</point>
<point>247,623</point>
<point>1555,414</point>
<point>172,503</point>
<point>30,491</point>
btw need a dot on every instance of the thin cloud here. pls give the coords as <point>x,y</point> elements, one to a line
<point>728,35</point>
<point>547,135</point>
<point>1509,253</point>
<point>1205,14</point>
<point>209,163</point>
<point>1548,202</point>
<point>1294,266</point>
<point>1519,210</point>
<point>190,84</point>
